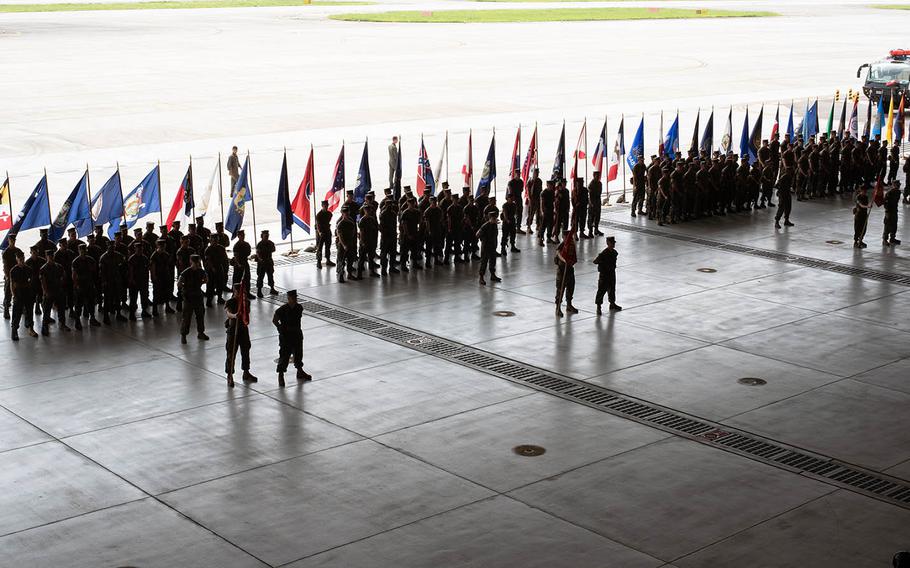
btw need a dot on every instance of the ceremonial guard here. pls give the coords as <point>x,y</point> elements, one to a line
<point>265,265</point>
<point>237,334</point>
<point>488,235</point>
<point>138,282</point>
<point>190,286</point>
<point>288,319</point>
<point>606,280</point>
<point>346,245</point>
<point>85,279</point>
<point>53,292</point>
<point>565,273</point>
<point>22,282</point>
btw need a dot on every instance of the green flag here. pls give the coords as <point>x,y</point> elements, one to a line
<point>831,118</point>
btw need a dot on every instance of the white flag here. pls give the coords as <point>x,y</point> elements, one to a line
<point>203,204</point>
<point>442,155</point>
<point>726,141</point>
<point>467,169</point>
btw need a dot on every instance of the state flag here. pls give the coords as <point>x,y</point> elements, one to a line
<point>336,191</point>
<point>242,193</point>
<point>425,181</point>
<point>143,200</point>
<point>489,169</point>
<point>74,211</point>
<point>36,212</point>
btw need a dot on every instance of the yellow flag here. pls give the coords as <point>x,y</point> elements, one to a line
<point>889,128</point>
<point>4,193</point>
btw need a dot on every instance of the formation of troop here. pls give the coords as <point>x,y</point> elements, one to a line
<point>133,276</point>
<point>678,190</point>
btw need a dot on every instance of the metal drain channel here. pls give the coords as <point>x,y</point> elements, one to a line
<point>806,261</point>
<point>790,458</point>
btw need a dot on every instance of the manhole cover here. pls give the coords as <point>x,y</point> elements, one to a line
<point>418,341</point>
<point>835,242</point>
<point>752,381</point>
<point>503,313</point>
<point>708,270</point>
<point>528,450</point>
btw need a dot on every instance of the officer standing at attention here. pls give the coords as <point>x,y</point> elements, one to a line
<point>565,260</point>
<point>547,213</point>
<point>784,198</point>
<point>606,280</point>
<point>22,289</point>
<point>138,280</point>
<point>52,286</point>
<point>324,236</point>
<point>388,230</point>
<point>233,167</point>
<point>595,191</point>
<point>346,244</point>
<point>241,261</point>
<point>85,277</point>
<point>265,266</point>
<point>9,261</point>
<point>237,335</point>
<point>639,187</point>
<point>111,267</point>
<point>216,267</point>
<point>433,218</point>
<point>190,286</point>
<point>510,223</point>
<point>161,270</point>
<point>393,160</point>
<point>892,199</point>
<point>288,321</point>
<point>487,235</point>
<point>516,189</point>
<point>369,236</point>
<point>860,217</point>
<point>535,187</point>
<point>580,207</point>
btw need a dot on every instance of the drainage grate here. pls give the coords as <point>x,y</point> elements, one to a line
<point>767,451</point>
<point>805,261</point>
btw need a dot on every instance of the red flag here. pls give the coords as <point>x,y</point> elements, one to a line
<point>177,206</point>
<point>336,192</point>
<point>303,201</point>
<point>878,194</point>
<point>776,128</point>
<point>618,151</point>
<point>580,153</point>
<point>530,160</point>
<point>425,180</point>
<point>516,153</point>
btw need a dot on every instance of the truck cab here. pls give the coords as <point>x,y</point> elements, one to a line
<point>887,76</point>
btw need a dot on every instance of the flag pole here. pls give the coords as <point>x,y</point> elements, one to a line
<point>494,161</point>
<point>471,158</point>
<point>9,198</point>
<point>586,149</point>
<point>220,189</point>
<point>193,189</point>
<point>47,194</point>
<point>88,187</point>
<point>252,196</point>
<point>122,205</point>
<point>291,226</point>
<point>447,155</point>
<point>160,204</point>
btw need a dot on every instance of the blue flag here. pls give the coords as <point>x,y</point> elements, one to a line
<point>879,119</point>
<point>143,200</point>
<point>755,138</point>
<point>284,200</point>
<point>671,143</point>
<point>489,169</point>
<point>241,193</point>
<point>364,181</point>
<point>36,212</point>
<point>74,211</point>
<point>637,149</point>
<point>707,139</point>
<point>809,125</point>
<point>107,205</point>
<point>559,163</point>
<point>790,131</point>
<point>744,138</point>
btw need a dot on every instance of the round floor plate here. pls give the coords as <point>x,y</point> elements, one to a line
<point>708,270</point>
<point>834,242</point>
<point>503,313</point>
<point>752,381</point>
<point>529,450</point>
